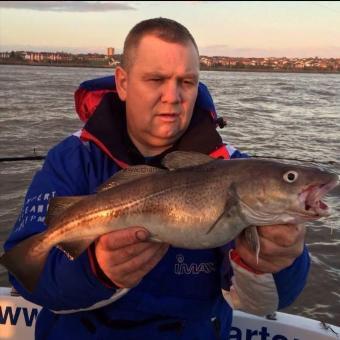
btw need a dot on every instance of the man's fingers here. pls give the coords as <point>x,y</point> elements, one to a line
<point>127,253</point>
<point>283,235</point>
<point>269,248</point>
<point>279,247</point>
<point>266,264</point>
<point>122,238</point>
<point>129,273</point>
<point>138,262</point>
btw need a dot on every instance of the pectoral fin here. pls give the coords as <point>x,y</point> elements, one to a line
<point>253,240</point>
<point>155,239</point>
<point>231,215</point>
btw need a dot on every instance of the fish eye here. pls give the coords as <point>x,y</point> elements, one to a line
<point>290,176</point>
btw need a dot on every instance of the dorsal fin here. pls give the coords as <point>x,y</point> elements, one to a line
<point>128,175</point>
<point>183,159</point>
<point>58,205</point>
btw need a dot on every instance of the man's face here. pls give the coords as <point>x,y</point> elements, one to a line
<point>160,90</point>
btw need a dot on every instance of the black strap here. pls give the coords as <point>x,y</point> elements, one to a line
<point>167,323</point>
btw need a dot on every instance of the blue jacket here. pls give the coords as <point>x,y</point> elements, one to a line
<point>181,297</point>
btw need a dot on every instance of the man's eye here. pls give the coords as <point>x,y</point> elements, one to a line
<point>189,82</point>
<point>155,79</point>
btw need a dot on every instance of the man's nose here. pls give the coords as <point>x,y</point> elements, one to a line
<point>171,92</point>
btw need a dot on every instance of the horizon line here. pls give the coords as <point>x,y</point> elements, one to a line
<point>201,55</point>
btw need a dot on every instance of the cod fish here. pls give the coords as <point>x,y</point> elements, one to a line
<point>196,202</point>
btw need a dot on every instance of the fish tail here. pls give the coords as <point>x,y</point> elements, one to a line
<point>24,261</point>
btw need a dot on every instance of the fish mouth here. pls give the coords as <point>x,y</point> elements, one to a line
<point>311,204</point>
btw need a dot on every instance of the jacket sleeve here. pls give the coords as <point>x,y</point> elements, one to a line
<point>64,284</point>
<point>291,281</point>
<point>259,293</point>
<point>263,293</point>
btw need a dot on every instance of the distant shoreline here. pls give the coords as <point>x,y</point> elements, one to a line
<point>235,69</point>
<point>57,65</point>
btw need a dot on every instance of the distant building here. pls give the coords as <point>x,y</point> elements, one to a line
<point>46,56</point>
<point>110,52</point>
<point>4,55</point>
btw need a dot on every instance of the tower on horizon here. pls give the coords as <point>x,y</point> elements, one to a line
<point>110,51</point>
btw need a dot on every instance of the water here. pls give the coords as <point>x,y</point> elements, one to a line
<point>284,115</point>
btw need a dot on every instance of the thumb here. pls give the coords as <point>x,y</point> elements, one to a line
<point>142,235</point>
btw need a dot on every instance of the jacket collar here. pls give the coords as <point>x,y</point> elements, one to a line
<point>107,128</point>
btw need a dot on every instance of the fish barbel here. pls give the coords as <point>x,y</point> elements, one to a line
<point>196,202</point>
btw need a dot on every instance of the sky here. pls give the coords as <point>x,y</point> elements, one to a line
<point>220,28</point>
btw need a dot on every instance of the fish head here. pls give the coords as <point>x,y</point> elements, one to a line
<point>279,193</point>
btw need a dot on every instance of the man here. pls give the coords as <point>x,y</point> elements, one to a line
<point>124,286</point>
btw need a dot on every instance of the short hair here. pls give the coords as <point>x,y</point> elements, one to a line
<point>162,28</point>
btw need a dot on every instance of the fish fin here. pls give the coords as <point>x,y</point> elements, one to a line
<point>253,240</point>
<point>182,159</point>
<point>23,263</point>
<point>128,175</point>
<point>155,239</point>
<point>231,204</point>
<point>212,227</point>
<point>58,205</point>
<point>73,249</point>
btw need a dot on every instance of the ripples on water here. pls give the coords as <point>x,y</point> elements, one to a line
<point>270,114</point>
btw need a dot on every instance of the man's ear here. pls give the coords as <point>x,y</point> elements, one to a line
<point>121,82</point>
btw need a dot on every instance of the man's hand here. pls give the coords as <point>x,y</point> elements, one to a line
<point>280,245</point>
<point>125,256</point>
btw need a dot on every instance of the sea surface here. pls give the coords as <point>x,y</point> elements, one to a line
<point>289,115</point>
